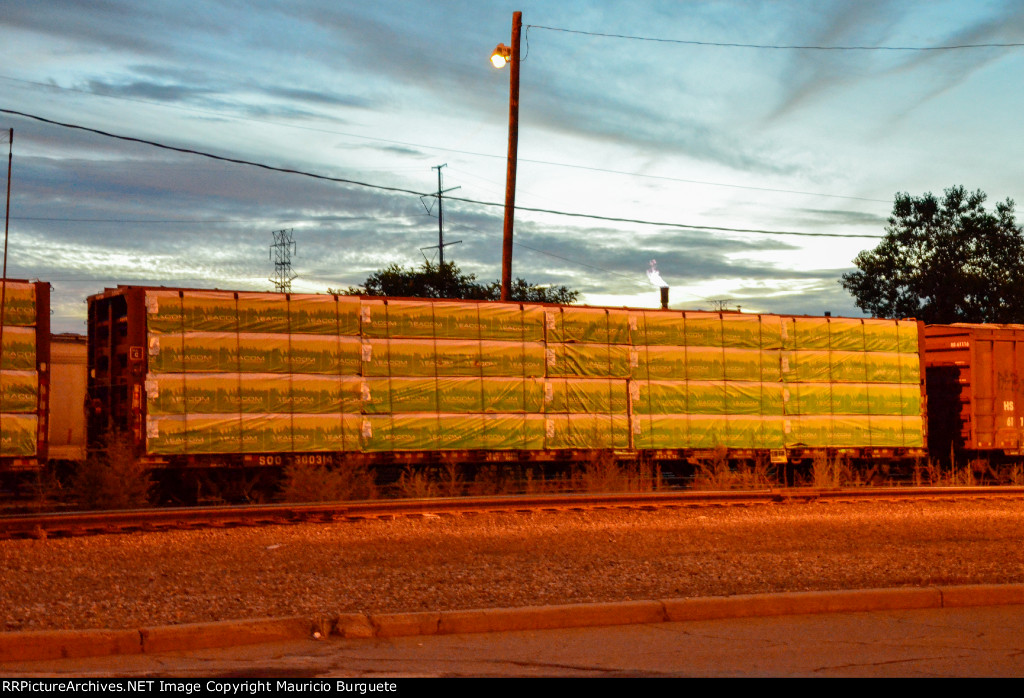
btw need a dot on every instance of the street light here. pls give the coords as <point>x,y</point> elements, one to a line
<point>500,56</point>
<point>505,54</point>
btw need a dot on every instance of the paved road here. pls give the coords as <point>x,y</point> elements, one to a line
<point>975,641</point>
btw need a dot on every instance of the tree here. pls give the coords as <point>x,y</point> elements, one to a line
<point>944,261</point>
<point>448,281</point>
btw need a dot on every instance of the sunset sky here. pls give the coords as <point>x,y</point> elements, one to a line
<point>682,131</point>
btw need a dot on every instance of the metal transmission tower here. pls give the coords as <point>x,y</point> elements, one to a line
<point>441,244</point>
<point>281,252</point>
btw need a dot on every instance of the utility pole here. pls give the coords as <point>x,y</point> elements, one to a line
<point>513,150</point>
<point>441,244</point>
<point>281,252</point>
<point>7,223</point>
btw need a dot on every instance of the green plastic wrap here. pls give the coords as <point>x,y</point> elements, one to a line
<point>772,327</point>
<point>209,311</point>
<point>883,367</point>
<point>460,432</point>
<point>19,304</point>
<point>909,336</point>
<point>660,328</point>
<point>742,364</point>
<point>583,396</point>
<point>881,335</point>
<point>679,363</point>
<point>744,398</point>
<point>263,393</point>
<point>265,313</point>
<point>513,395</point>
<point>399,357</point>
<point>587,325</point>
<point>664,431</point>
<point>374,374</point>
<point>375,395</point>
<point>576,325</point>
<point>328,355</point>
<point>458,357</point>
<point>18,434</point>
<point>316,395</point>
<point>809,398</point>
<point>705,397</point>
<point>913,431</point>
<point>511,322</point>
<point>213,433</point>
<point>455,320</point>
<point>592,360</point>
<point>846,334</point>
<point>163,312</point>
<point>19,391</point>
<point>741,331</point>
<point>317,433</point>
<point>512,431</point>
<point>707,431</point>
<point>585,431</point>
<point>809,333</point>
<point>703,329</point>
<point>424,394</point>
<point>910,368</point>
<point>19,349</point>
<point>849,366</point>
<point>501,358</point>
<point>318,314</point>
<point>806,366</point>
<point>705,363</point>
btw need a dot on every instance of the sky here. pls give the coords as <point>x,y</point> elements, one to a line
<point>683,133</point>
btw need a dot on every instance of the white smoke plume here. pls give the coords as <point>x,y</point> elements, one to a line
<point>654,277</point>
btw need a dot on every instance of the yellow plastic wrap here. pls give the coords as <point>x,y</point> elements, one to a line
<point>18,434</point>
<point>703,329</point>
<point>19,349</point>
<point>19,391</point>
<point>741,331</point>
<point>209,311</point>
<point>19,304</point>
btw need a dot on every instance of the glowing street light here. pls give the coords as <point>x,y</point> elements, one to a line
<point>500,56</point>
<point>504,54</point>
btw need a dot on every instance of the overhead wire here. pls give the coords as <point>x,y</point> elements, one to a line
<point>402,190</point>
<point>780,47</point>
<point>472,153</point>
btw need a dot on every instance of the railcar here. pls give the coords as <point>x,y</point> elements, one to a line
<point>975,377</point>
<point>24,374</point>
<point>204,378</point>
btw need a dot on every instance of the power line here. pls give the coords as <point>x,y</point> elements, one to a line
<point>472,153</point>
<point>400,190</point>
<point>783,47</point>
<point>196,221</point>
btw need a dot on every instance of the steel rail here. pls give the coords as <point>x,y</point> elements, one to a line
<point>68,524</point>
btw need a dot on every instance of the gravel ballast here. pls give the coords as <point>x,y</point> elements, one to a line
<point>504,560</point>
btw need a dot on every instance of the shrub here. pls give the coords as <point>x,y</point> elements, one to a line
<point>713,473</point>
<point>415,484</point>
<point>306,482</point>
<point>112,477</point>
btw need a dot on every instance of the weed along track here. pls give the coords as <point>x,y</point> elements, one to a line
<point>42,526</point>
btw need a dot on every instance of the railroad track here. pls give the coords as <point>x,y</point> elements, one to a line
<point>60,525</point>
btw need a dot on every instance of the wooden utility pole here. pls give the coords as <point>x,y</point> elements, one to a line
<point>513,151</point>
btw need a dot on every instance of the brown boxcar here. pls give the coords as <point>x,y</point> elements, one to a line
<point>975,378</point>
<point>68,376</point>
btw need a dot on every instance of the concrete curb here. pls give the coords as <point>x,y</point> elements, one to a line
<point>48,645</point>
